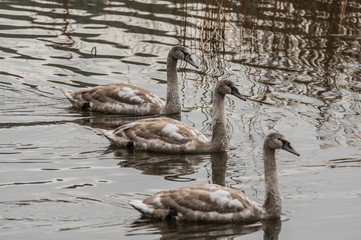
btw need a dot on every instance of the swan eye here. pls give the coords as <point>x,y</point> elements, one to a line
<point>284,142</point>
<point>185,53</point>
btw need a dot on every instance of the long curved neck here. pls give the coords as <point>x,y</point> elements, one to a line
<point>172,102</point>
<point>219,135</point>
<point>273,202</point>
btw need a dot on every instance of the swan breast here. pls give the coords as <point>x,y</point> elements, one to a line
<point>201,202</point>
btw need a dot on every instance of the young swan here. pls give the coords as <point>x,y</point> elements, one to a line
<point>123,98</point>
<point>210,202</point>
<point>168,135</point>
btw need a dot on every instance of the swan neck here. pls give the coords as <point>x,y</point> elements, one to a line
<point>219,133</point>
<point>172,101</point>
<point>273,202</point>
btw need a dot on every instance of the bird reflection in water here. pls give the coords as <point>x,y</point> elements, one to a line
<point>219,168</point>
<point>174,167</point>
<point>188,230</point>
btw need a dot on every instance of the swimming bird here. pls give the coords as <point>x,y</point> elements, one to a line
<point>171,136</point>
<point>123,98</point>
<point>215,203</point>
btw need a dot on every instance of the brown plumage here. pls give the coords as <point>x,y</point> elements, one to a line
<point>168,135</point>
<point>122,98</point>
<point>214,203</point>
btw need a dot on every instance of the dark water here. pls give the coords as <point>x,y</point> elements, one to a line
<point>297,61</point>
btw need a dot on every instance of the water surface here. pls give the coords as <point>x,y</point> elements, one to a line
<point>298,63</point>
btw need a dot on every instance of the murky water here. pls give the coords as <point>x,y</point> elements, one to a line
<point>298,62</point>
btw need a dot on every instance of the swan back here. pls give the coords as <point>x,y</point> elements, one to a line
<point>159,134</point>
<point>200,202</point>
<point>122,98</point>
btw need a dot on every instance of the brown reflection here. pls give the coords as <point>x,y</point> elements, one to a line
<point>173,167</point>
<point>271,229</point>
<point>65,16</point>
<point>219,168</point>
<point>302,41</point>
<point>191,230</point>
<point>109,121</point>
<point>303,56</point>
<point>102,121</point>
<point>66,28</point>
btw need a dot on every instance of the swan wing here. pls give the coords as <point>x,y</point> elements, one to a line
<point>161,134</point>
<point>121,98</point>
<point>201,202</point>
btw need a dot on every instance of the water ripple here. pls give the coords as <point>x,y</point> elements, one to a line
<point>297,62</point>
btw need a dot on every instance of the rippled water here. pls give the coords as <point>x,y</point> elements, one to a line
<point>298,62</point>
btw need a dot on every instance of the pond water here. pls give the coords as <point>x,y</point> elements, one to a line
<point>297,62</point>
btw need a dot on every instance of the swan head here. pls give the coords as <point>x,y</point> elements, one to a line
<point>182,53</point>
<point>226,86</point>
<point>278,141</point>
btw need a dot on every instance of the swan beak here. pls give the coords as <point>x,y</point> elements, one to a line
<point>235,92</point>
<point>189,60</point>
<point>287,146</point>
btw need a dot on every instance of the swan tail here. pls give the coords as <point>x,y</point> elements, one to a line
<point>149,210</point>
<point>78,103</point>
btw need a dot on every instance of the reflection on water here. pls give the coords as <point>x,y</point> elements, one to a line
<point>271,229</point>
<point>187,230</point>
<point>104,121</point>
<point>219,168</point>
<point>301,56</point>
<point>173,167</point>
<point>297,61</point>
<point>109,121</point>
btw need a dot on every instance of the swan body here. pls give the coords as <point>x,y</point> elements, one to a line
<point>157,134</point>
<point>168,135</point>
<point>120,98</point>
<point>123,98</point>
<point>200,202</point>
<point>215,203</point>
